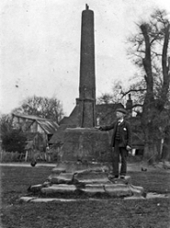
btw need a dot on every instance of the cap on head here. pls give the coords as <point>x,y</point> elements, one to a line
<point>122,110</point>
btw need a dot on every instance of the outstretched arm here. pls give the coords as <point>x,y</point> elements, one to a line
<point>107,128</point>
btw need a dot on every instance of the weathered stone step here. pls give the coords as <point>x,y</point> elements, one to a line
<point>93,189</point>
<point>59,188</point>
<point>118,190</point>
<point>62,178</point>
<point>58,170</point>
<point>35,188</point>
<point>91,177</point>
<point>137,190</point>
<point>113,190</point>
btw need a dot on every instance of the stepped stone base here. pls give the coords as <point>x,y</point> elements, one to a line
<point>89,182</point>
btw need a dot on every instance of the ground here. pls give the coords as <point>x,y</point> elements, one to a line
<point>117,213</point>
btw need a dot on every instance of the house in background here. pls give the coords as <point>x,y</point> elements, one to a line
<point>34,124</point>
<point>38,131</point>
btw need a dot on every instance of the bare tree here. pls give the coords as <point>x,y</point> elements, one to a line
<point>114,97</point>
<point>150,53</point>
<point>49,108</point>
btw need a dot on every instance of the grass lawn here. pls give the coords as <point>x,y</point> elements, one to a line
<point>109,213</point>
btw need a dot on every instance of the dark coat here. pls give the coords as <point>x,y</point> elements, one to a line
<point>125,133</point>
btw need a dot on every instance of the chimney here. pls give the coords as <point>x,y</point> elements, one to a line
<point>129,105</point>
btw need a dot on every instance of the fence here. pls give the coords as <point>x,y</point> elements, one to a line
<point>27,157</point>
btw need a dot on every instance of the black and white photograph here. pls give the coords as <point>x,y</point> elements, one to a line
<point>84,114</point>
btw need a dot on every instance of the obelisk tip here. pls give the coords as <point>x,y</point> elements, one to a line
<point>87,6</point>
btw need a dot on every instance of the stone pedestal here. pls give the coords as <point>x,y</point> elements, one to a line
<point>86,145</point>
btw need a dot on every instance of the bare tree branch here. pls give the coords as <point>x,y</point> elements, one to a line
<point>137,105</point>
<point>132,90</point>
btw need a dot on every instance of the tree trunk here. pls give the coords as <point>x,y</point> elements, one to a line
<point>166,148</point>
<point>151,143</point>
<point>150,152</point>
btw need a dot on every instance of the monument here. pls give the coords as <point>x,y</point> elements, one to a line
<point>87,87</point>
<point>84,164</point>
<point>85,144</point>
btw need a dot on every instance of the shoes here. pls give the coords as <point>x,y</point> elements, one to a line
<point>116,176</point>
<point>122,177</point>
<point>112,176</point>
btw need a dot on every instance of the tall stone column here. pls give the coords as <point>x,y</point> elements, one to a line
<point>84,144</point>
<point>87,88</point>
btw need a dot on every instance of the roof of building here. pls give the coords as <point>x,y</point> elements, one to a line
<point>58,136</point>
<point>73,118</point>
<point>25,116</point>
<point>107,109</point>
<point>106,112</point>
<point>49,126</point>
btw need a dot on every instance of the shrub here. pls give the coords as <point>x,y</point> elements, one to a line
<point>14,141</point>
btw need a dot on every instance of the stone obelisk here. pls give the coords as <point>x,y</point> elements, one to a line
<point>87,88</point>
<point>85,144</point>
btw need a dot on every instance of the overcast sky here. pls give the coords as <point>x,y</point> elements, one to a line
<point>40,46</point>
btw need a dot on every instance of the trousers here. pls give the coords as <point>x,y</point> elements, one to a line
<point>117,154</point>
